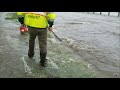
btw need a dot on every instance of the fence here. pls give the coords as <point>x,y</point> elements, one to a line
<point>108,13</point>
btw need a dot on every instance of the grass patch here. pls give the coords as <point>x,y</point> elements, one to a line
<point>70,64</point>
<point>11,16</point>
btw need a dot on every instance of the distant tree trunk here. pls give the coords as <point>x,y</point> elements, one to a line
<point>108,13</point>
<point>118,14</point>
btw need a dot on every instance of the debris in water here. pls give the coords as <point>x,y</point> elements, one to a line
<point>115,74</point>
<point>89,66</point>
<point>71,60</point>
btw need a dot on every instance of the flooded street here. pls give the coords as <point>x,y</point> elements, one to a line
<point>96,36</point>
<point>90,48</point>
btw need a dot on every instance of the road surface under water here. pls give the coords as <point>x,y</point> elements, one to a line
<point>96,36</point>
<point>90,47</point>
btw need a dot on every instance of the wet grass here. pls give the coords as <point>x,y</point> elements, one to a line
<point>63,62</point>
<point>71,65</point>
<point>11,16</point>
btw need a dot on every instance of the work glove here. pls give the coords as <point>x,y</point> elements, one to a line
<point>21,20</point>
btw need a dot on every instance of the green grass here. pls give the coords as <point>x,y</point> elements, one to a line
<point>11,16</point>
<point>61,55</point>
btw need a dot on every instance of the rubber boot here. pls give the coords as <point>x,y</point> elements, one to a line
<point>30,55</point>
<point>43,59</point>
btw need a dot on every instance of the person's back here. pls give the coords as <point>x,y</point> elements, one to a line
<point>39,19</point>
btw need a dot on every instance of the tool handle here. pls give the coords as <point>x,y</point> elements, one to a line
<point>56,36</point>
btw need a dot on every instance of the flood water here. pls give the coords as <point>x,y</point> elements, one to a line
<point>90,47</point>
<point>98,35</point>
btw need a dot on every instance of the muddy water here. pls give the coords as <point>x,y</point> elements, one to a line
<point>95,37</point>
<point>87,49</point>
<point>10,64</point>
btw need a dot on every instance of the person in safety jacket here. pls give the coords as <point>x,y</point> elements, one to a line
<point>38,23</point>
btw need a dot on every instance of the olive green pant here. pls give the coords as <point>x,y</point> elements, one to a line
<point>42,39</point>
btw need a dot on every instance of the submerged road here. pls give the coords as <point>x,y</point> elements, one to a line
<point>96,37</point>
<point>10,64</point>
<point>93,48</point>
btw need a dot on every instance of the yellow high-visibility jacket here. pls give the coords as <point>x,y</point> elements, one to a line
<point>38,19</point>
<point>20,14</point>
